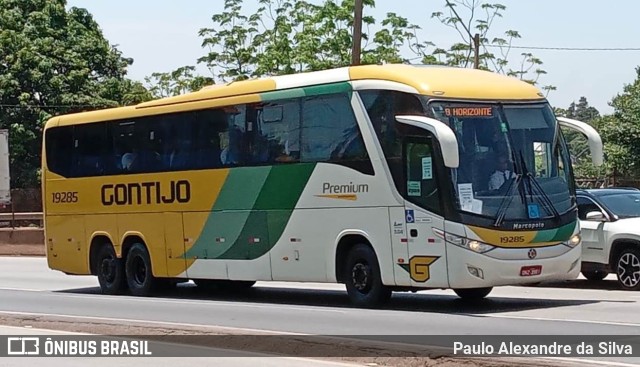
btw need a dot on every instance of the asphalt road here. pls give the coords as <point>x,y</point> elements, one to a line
<point>571,308</point>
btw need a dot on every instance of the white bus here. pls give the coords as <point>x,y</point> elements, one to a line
<point>384,178</point>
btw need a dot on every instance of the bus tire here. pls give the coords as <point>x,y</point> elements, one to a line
<point>363,279</point>
<point>110,271</point>
<point>139,271</point>
<point>473,294</point>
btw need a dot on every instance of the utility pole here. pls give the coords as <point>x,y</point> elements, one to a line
<point>357,33</point>
<point>476,47</point>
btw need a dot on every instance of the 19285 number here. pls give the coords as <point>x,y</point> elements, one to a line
<point>65,197</point>
<point>512,239</point>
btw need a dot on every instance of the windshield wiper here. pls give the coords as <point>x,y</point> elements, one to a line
<point>506,201</point>
<point>547,204</point>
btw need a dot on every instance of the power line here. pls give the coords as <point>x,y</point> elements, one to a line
<point>570,48</point>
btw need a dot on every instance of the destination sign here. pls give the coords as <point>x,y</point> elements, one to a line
<point>468,111</point>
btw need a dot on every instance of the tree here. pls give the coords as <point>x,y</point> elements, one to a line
<point>578,145</point>
<point>621,131</point>
<point>53,61</point>
<point>180,81</point>
<point>470,17</point>
<point>288,36</point>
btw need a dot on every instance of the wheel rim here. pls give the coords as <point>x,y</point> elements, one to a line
<point>360,277</point>
<point>108,269</point>
<point>139,270</point>
<point>629,269</point>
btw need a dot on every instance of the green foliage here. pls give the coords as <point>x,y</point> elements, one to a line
<point>470,17</point>
<point>578,145</point>
<point>53,61</point>
<point>180,81</point>
<point>621,131</point>
<point>289,36</point>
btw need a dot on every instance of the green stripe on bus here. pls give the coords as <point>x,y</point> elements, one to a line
<point>241,188</point>
<point>284,186</point>
<point>272,211</point>
<point>248,234</point>
<point>558,234</point>
<point>282,94</point>
<point>333,88</point>
<point>221,231</point>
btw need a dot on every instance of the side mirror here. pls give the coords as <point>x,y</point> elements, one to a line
<point>443,133</point>
<point>593,138</point>
<point>597,216</point>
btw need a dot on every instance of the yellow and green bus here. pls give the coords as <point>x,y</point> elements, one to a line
<point>382,177</point>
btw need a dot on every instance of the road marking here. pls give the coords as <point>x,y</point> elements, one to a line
<point>563,320</point>
<point>21,289</point>
<point>591,361</point>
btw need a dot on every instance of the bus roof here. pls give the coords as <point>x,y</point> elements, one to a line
<point>438,81</point>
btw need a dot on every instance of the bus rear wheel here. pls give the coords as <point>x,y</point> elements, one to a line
<point>473,294</point>
<point>363,279</point>
<point>138,269</point>
<point>110,271</point>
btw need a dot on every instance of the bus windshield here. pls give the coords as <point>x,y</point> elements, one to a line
<point>514,163</point>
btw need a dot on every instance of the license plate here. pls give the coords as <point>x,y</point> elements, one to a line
<point>527,271</point>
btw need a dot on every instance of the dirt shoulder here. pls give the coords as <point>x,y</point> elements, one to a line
<point>375,354</point>
<point>35,249</point>
<point>22,250</point>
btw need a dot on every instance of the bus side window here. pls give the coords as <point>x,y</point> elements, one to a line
<point>90,149</point>
<point>421,183</point>
<point>232,138</point>
<point>276,137</point>
<point>60,142</point>
<point>329,130</point>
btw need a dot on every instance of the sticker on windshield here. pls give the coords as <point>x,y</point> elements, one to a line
<point>465,193</point>
<point>534,211</point>
<point>413,188</point>
<point>427,168</point>
<point>468,111</point>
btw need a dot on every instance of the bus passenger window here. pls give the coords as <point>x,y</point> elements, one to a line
<point>276,138</point>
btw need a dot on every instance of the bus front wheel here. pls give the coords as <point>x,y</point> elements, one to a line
<point>363,279</point>
<point>473,294</point>
<point>110,271</point>
<point>138,269</point>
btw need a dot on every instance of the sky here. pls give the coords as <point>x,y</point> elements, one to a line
<point>162,35</point>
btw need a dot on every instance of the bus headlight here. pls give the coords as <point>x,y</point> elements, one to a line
<point>573,241</point>
<point>473,245</point>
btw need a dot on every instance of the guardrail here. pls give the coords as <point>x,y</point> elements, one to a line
<point>11,218</point>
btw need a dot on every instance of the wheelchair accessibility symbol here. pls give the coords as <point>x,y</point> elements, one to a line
<point>534,211</point>
<point>408,213</point>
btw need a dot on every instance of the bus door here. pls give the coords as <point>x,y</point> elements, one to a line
<point>426,261</point>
